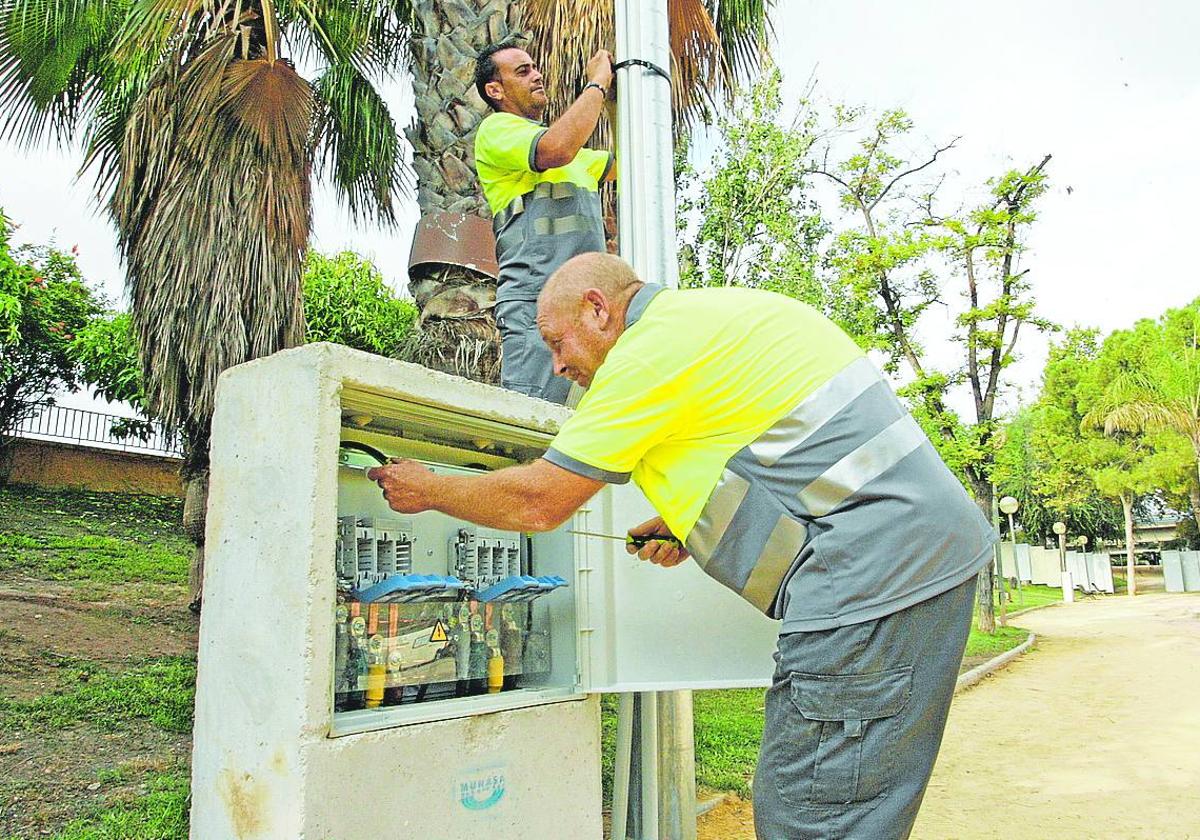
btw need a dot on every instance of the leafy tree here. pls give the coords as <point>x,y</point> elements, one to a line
<point>43,303</point>
<point>886,256</point>
<point>751,222</point>
<point>1159,391</point>
<point>346,301</point>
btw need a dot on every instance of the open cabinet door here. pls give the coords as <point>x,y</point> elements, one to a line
<point>646,628</point>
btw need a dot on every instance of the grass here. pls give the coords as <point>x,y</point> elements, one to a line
<point>1031,595</point>
<point>100,545</point>
<point>160,814</point>
<point>161,691</point>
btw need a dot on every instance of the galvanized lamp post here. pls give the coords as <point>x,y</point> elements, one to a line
<point>1009,505</point>
<point>1068,586</point>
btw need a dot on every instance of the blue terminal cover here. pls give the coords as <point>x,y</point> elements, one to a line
<point>520,588</point>
<point>402,588</point>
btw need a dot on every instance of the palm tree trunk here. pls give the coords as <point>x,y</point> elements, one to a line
<point>456,329</point>
<point>1127,508</point>
<point>195,504</point>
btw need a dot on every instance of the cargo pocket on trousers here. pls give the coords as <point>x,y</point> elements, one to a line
<point>842,733</point>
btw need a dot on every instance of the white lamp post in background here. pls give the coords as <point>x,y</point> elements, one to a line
<point>1009,505</point>
<point>1068,586</point>
<point>1087,566</point>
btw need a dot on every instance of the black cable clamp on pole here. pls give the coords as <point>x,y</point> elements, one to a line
<point>642,63</point>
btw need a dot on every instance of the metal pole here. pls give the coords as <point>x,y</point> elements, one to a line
<point>999,557</point>
<point>1012,536</point>
<point>620,797</point>
<point>646,237</point>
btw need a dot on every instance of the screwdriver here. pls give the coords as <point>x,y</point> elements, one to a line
<point>636,542</point>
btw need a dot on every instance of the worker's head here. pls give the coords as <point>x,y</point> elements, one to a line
<point>508,80</point>
<point>581,312</point>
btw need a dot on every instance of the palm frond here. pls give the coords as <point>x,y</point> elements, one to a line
<point>704,64</point>
<point>358,147</point>
<point>214,207</point>
<point>369,35</point>
<point>52,57</point>
<point>743,27</point>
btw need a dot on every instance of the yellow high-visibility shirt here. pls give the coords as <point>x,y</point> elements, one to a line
<point>505,151</point>
<point>699,375</point>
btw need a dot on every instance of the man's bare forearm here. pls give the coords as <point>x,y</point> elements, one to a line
<point>530,497</point>
<point>567,134</point>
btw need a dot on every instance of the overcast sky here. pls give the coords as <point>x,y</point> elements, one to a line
<point>1111,89</point>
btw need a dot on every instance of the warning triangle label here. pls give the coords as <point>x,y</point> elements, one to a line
<point>439,632</point>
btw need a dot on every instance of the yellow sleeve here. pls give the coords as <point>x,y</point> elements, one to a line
<point>507,142</point>
<point>626,412</point>
<point>597,162</point>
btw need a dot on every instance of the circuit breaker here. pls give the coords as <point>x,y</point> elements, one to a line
<point>430,608</point>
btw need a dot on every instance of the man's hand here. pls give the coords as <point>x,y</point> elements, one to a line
<point>407,486</point>
<point>600,70</point>
<point>659,552</point>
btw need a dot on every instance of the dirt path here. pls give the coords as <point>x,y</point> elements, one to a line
<point>1096,735</point>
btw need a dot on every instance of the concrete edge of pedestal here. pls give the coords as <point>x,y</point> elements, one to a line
<point>976,674</point>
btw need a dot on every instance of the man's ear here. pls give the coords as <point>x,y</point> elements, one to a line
<point>495,89</point>
<point>596,302</point>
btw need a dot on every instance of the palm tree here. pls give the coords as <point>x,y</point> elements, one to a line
<point>713,42</point>
<point>203,138</point>
<point>1163,393</point>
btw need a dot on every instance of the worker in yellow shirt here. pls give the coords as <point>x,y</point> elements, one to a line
<point>780,460</point>
<point>541,185</point>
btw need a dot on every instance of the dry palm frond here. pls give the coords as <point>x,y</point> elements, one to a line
<point>706,56</point>
<point>213,204</point>
<point>463,347</point>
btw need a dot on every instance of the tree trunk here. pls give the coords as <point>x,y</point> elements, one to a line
<point>195,507</point>
<point>449,34</point>
<point>1127,508</point>
<point>985,498</point>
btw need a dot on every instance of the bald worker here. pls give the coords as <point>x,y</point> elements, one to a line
<point>782,461</point>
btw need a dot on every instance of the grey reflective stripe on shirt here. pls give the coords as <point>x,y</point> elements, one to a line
<point>544,190</point>
<point>815,410</point>
<point>724,501</point>
<point>778,555</point>
<point>867,462</point>
<point>754,525</point>
<point>564,224</point>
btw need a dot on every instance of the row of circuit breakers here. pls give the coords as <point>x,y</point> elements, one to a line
<point>402,637</point>
<point>375,561</point>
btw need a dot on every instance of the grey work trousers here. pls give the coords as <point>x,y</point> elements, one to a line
<point>854,720</point>
<point>525,362</point>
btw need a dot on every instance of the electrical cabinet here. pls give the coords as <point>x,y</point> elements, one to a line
<point>346,649</point>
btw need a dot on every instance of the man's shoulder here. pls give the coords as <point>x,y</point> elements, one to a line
<point>504,121</point>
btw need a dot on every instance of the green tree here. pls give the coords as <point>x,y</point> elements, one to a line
<point>886,257</point>
<point>43,304</point>
<point>347,302</point>
<point>713,44</point>
<point>750,221</point>
<point>203,139</point>
<point>1160,390</point>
